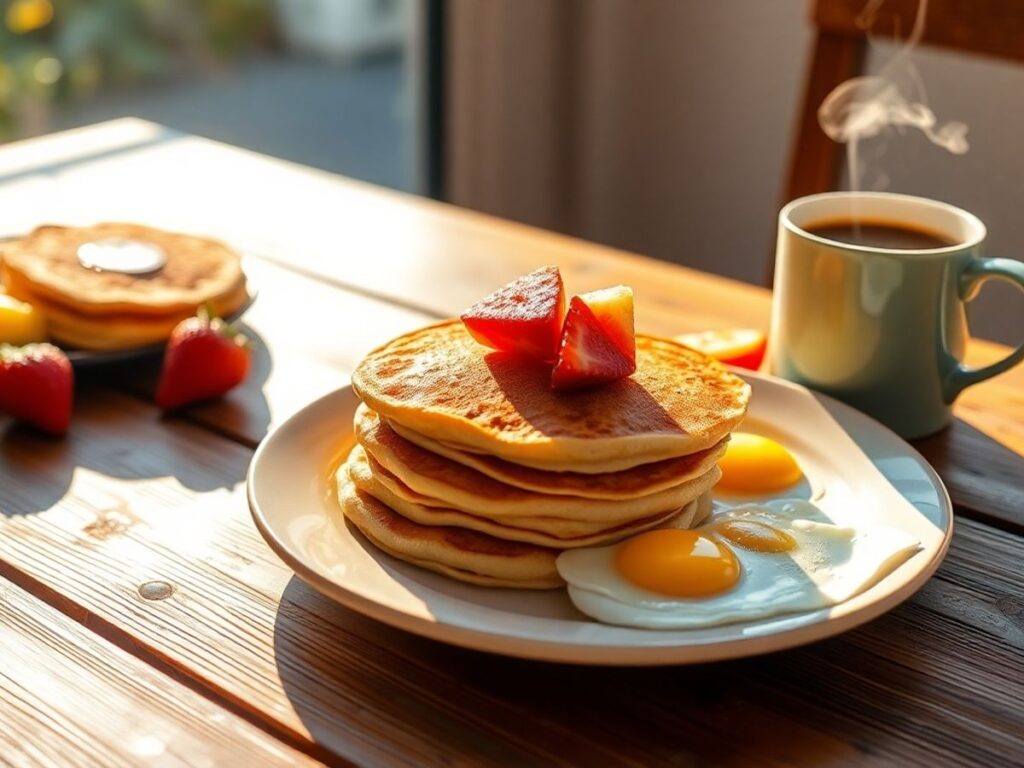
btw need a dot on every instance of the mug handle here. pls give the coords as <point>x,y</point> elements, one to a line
<point>976,272</point>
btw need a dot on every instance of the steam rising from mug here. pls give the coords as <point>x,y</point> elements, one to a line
<point>864,107</point>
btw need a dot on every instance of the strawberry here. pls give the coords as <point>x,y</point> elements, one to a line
<point>613,308</point>
<point>741,348</point>
<point>524,317</point>
<point>588,355</point>
<point>37,386</point>
<point>205,358</point>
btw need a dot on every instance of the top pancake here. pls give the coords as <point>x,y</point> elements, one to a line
<point>45,264</point>
<point>441,383</point>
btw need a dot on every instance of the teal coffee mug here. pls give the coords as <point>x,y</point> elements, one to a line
<point>870,289</point>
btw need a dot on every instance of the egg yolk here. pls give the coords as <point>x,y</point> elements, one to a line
<point>756,464</point>
<point>755,536</point>
<point>680,563</point>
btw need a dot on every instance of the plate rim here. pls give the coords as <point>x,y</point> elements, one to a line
<point>608,655</point>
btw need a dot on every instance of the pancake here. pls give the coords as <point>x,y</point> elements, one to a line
<point>124,330</point>
<point>440,383</point>
<point>625,484</point>
<point>432,480</point>
<point>548,532</point>
<point>44,265</point>
<point>456,552</point>
<point>703,508</point>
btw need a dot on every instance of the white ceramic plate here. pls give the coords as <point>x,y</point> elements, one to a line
<point>856,469</point>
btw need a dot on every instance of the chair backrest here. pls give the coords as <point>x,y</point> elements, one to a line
<point>986,27</point>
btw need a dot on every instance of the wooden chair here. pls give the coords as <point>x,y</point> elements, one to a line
<point>987,27</point>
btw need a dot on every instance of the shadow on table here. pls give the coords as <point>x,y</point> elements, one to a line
<point>245,414</point>
<point>350,678</point>
<point>123,436</point>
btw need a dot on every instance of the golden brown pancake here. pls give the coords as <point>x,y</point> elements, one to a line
<point>626,484</point>
<point>430,479</point>
<point>547,532</point>
<point>457,552</point>
<point>44,265</point>
<point>439,382</point>
<point>122,331</point>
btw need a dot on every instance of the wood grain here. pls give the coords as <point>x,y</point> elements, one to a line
<point>133,498</point>
<point>986,27</point>
<point>985,479</point>
<point>130,499</point>
<point>71,699</point>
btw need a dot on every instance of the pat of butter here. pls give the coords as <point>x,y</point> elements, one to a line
<point>119,254</point>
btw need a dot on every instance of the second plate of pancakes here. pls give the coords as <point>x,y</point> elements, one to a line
<point>113,292</point>
<point>853,467</point>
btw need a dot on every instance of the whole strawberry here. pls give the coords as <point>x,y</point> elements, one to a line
<point>37,386</point>
<point>205,358</point>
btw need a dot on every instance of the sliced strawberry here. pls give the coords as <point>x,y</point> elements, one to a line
<point>37,386</point>
<point>742,348</point>
<point>613,308</point>
<point>205,358</point>
<point>524,317</point>
<point>588,356</point>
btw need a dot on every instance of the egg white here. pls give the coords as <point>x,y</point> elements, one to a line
<point>830,564</point>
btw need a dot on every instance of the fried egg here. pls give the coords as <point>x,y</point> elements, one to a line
<point>757,464</point>
<point>749,562</point>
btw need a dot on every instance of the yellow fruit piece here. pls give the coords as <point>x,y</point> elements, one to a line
<point>613,308</point>
<point>20,323</point>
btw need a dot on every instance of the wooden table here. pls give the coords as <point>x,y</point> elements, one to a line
<point>143,619</point>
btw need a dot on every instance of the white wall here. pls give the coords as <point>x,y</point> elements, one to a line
<point>687,111</point>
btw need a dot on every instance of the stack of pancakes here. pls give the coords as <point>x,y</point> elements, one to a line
<point>106,309</point>
<point>468,464</point>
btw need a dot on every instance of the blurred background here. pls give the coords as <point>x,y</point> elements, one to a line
<point>666,127</point>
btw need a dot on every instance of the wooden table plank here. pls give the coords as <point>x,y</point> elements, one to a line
<point>69,698</point>
<point>950,661</point>
<point>129,499</point>
<point>985,479</point>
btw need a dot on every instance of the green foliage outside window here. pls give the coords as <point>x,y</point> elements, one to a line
<point>54,51</point>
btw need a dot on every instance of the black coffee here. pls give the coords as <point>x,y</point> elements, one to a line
<point>880,234</point>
